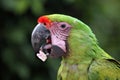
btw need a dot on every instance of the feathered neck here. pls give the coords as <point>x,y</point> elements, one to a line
<point>83,47</point>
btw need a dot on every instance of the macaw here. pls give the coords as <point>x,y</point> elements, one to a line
<point>58,35</point>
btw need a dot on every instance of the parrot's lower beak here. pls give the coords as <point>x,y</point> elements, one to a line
<point>42,43</point>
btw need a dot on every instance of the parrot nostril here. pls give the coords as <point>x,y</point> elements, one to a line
<point>44,23</point>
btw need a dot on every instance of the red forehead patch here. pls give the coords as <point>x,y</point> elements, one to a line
<point>44,20</point>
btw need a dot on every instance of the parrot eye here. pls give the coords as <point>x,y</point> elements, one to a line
<point>63,26</point>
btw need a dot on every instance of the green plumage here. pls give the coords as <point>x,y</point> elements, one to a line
<point>86,60</point>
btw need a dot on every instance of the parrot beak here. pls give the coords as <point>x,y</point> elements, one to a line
<point>42,43</point>
<point>39,36</point>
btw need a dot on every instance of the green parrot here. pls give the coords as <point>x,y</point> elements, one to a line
<point>59,35</point>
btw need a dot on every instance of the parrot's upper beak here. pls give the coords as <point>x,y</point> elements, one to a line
<point>39,36</point>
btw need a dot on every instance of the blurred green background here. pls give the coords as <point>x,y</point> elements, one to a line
<point>18,18</point>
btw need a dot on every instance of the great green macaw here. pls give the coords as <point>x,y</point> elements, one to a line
<point>59,35</point>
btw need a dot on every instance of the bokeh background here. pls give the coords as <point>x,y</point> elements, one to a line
<point>18,18</point>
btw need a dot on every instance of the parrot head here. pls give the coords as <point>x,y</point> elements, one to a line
<point>52,35</point>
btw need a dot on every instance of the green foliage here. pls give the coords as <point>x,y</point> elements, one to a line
<point>18,18</point>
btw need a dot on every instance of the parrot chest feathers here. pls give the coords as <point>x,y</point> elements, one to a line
<point>73,71</point>
<point>95,69</point>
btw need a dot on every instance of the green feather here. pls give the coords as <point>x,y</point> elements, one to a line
<point>86,60</point>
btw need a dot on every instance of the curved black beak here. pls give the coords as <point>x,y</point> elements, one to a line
<point>38,37</point>
<point>41,41</point>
